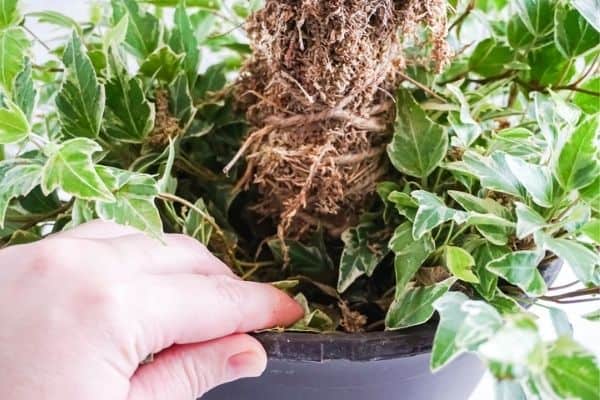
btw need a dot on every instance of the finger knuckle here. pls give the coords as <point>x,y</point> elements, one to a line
<point>201,380</point>
<point>53,255</point>
<point>229,289</point>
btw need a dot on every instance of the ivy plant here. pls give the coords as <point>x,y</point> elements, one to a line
<point>494,171</point>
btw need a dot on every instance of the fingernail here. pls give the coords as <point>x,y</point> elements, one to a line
<point>248,364</point>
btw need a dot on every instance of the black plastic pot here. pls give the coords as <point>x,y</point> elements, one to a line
<point>374,366</point>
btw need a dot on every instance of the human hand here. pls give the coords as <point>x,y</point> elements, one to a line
<point>80,310</point>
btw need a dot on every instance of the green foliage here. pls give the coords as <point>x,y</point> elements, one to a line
<point>494,170</point>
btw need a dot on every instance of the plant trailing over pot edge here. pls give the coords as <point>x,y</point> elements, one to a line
<point>364,175</point>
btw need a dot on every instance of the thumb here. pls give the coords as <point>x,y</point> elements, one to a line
<point>185,372</point>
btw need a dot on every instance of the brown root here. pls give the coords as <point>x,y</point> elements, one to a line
<point>317,92</point>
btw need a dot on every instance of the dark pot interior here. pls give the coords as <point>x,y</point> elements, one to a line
<point>376,365</point>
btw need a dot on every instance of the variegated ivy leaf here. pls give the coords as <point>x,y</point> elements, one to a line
<point>115,36</point>
<point>528,221</point>
<point>520,335</point>
<point>488,281</point>
<point>589,10</point>
<point>460,263</point>
<point>14,46</point>
<point>432,213</point>
<point>313,321</point>
<point>183,41</point>
<point>414,306</point>
<point>80,101</point>
<point>14,126</point>
<point>573,35</point>
<point>143,29</point>
<point>57,19</point>
<point>419,144</point>
<point>479,205</point>
<point>492,227</point>
<point>464,324</point>
<point>591,194</point>
<point>198,225</point>
<point>405,205</point>
<point>410,254</point>
<point>17,178</point>
<point>129,115</point>
<point>572,371</point>
<point>584,262</point>
<point>521,269</point>
<point>162,64</point>
<point>493,172</point>
<point>592,230</point>
<point>9,13</point>
<point>70,167</point>
<point>134,200</point>
<point>363,251</point>
<point>578,163</point>
<point>467,130</point>
<point>181,103</point>
<point>536,179</point>
<point>25,93</point>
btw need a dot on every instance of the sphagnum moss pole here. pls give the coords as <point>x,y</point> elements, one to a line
<point>317,91</point>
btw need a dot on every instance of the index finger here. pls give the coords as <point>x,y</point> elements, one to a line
<point>183,309</point>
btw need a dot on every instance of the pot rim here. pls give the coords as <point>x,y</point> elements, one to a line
<point>364,347</point>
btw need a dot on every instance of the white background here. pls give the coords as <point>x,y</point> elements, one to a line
<point>586,332</point>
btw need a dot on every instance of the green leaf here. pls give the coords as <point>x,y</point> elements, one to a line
<point>536,179</point>
<point>58,19</point>
<point>528,221</point>
<point>14,127</point>
<point>25,93</point>
<point>181,103</point>
<point>561,323</point>
<point>593,316</point>
<point>70,167</point>
<point>592,230</point>
<point>129,115</point>
<point>479,205</point>
<point>572,371</point>
<point>414,306</point>
<point>465,127</point>
<point>586,101</point>
<point>306,260</point>
<point>419,144</point>
<point>80,101</point>
<point>488,281</point>
<point>521,269</point>
<point>14,46</point>
<point>578,164</point>
<point>143,31</point>
<point>460,263</point>
<point>405,205</point>
<point>493,228</point>
<point>591,194</point>
<point>115,35</point>
<point>183,41</point>
<point>316,320</point>
<point>493,172</point>
<point>464,324</point>
<point>410,254</point>
<point>537,15</point>
<point>583,261</point>
<point>198,225</point>
<point>9,13</point>
<point>363,251</point>
<point>491,58</point>
<point>519,142</point>
<point>162,64</point>
<point>432,213</point>
<point>573,34</point>
<point>589,10</point>
<point>17,179</point>
<point>134,205</point>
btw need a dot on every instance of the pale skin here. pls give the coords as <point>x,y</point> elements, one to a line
<point>81,310</point>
